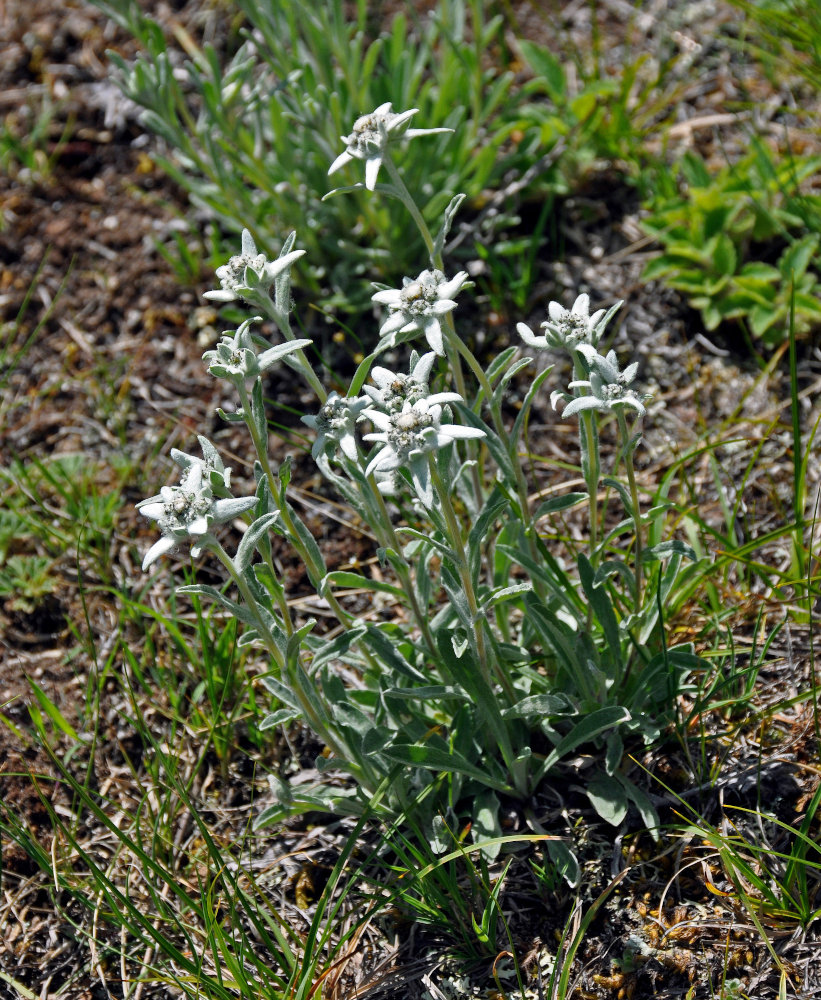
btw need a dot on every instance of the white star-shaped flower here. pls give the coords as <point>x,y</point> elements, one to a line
<point>371,136</point>
<point>409,435</point>
<point>248,271</point>
<point>609,388</point>
<point>569,328</point>
<point>419,305</point>
<point>188,511</point>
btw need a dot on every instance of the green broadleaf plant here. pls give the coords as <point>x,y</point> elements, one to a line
<point>721,232</point>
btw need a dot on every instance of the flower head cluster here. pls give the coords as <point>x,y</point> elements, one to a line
<point>569,328</point>
<point>235,357</point>
<point>189,510</point>
<point>371,136</point>
<point>411,434</point>
<point>394,389</point>
<point>248,271</point>
<point>609,389</point>
<point>419,304</point>
<point>335,424</point>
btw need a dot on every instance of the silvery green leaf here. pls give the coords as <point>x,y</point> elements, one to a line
<point>204,590</point>
<point>316,568</point>
<point>590,726</point>
<point>503,594</point>
<point>527,403</point>
<point>422,483</point>
<point>376,738</point>
<point>294,642</point>
<point>439,546</point>
<point>665,549</point>
<point>497,365</point>
<point>538,704</point>
<point>614,753</point>
<point>432,691</point>
<point>566,863</point>
<point>274,354</point>
<point>447,221</point>
<point>232,418</point>
<point>556,504</point>
<point>344,578</point>
<point>583,403</point>
<point>494,505</point>
<point>281,717</point>
<point>645,807</point>
<point>608,798</point>
<point>281,692</point>
<point>601,606</point>
<point>456,593</point>
<point>629,372</point>
<point>436,759</point>
<point>460,643</point>
<point>486,825</point>
<point>230,507</point>
<point>514,370</point>
<point>440,837</point>
<point>248,544</point>
<point>258,411</point>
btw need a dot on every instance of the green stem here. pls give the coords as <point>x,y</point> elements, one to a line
<point>407,200</point>
<point>590,459</point>
<point>262,454</point>
<point>634,498</point>
<point>297,360</point>
<point>309,697</point>
<point>591,470</point>
<point>455,539</point>
<point>251,603</point>
<point>386,525</point>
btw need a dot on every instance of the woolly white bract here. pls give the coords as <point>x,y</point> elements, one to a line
<point>420,305</point>
<point>569,328</point>
<point>411,434</point>
<point>249,270</point>
<point>189,510</point>
<point>372,135</point>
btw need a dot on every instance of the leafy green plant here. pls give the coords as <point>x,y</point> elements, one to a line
<point>251,140</point>
<point>718,231</point>
<point>26,580</point>
<point>591,116</point>
<point>501,659</point>
<point>59,501</point>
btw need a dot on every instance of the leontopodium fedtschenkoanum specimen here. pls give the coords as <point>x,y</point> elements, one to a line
<point>248,271</point>
<point>420,304</point>
<point>189,510</point>
<point>496,658</point>
<point>568,328</point>
<point>409,436</point>
<point>372,135</point>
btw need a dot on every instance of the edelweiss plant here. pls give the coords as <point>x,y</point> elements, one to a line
<point>507,651</point>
